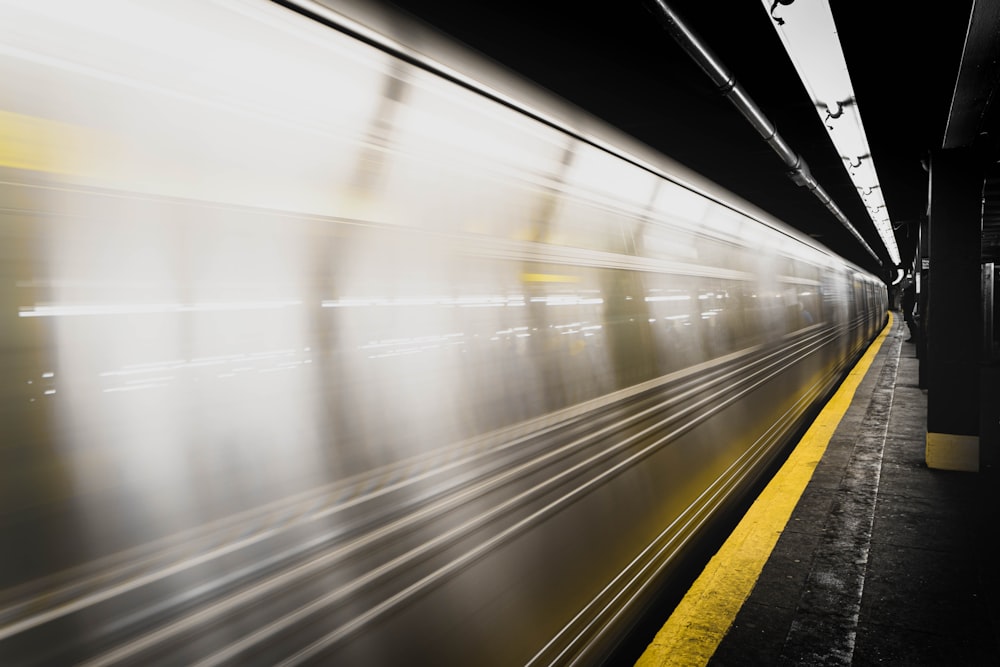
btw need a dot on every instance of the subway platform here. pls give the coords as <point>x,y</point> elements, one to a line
<point>881,560</point>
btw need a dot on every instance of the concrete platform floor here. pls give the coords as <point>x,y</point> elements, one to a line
<point>884,561</point>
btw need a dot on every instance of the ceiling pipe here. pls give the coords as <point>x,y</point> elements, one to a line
<point>734,92</point>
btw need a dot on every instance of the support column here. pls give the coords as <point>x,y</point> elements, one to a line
<point>922,276</point>
<point>952,317</point>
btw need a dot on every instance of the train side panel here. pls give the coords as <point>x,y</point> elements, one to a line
<point>358,359</point>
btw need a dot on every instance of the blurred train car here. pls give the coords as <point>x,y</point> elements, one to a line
<point>325,341</point>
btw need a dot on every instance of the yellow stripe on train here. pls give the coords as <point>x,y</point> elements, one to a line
<point>41,144</point>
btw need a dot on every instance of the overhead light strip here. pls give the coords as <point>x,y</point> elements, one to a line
<point>809,35</point>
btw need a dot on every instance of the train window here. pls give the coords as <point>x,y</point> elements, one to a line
<point>715,313</point>
<point>801,295</point>
<point>834,297</point>
<point>765,312</point>
<point>801,306</point>
<point>696,319</point>
<point>671,309</point>
<point>736,327</point>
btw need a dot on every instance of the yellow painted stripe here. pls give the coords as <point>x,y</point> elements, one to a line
<point>946,451</point>
<point>41,144</point>
<point>548,278</point>
<point>704,616</point>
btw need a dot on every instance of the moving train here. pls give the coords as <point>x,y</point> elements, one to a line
<point>324,341</point>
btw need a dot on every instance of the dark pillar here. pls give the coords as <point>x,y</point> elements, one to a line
<point>989,387</point>
<point>952,318</point>
<point>922,271</point>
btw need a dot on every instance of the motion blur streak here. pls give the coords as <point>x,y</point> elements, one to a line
<point>324,340</point>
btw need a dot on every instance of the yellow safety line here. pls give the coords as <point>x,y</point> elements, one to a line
<point>698,624</point>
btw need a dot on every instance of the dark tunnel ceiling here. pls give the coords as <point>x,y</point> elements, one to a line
<point>615,61</point>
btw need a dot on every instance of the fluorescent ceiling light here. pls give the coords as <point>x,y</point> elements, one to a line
<point>807,30</point>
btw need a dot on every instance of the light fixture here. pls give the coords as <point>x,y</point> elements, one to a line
<point>810,37</point>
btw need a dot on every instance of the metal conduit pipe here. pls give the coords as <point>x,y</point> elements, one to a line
<point>734,92</point>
